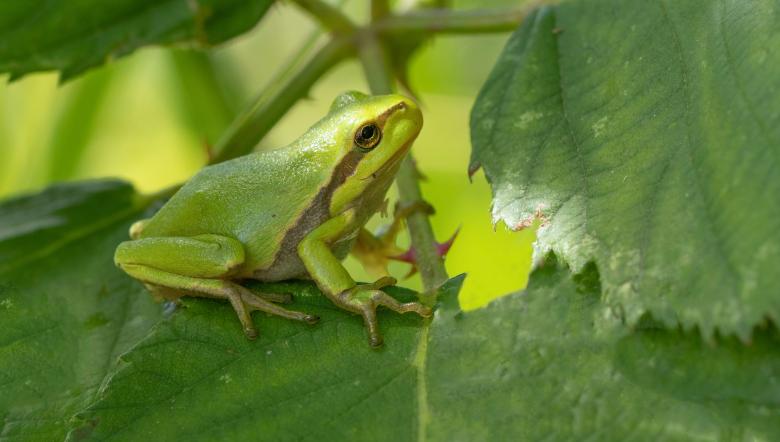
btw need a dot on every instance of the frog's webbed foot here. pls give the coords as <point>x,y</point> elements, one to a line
<point>366,298</point>
<point>336,283</point>
<point>244,302</point>
<point>261,303</point>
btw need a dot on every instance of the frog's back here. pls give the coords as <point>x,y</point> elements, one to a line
<point>254,199</point>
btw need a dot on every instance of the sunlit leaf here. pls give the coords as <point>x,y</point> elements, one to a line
<point>646,136</point>
<point>555,363</point>
<point>551,363</point>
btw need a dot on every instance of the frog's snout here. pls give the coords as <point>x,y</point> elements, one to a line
<point>410,110</point>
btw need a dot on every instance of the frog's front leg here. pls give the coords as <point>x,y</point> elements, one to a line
<point>336,283</point>
<point>198,266</point>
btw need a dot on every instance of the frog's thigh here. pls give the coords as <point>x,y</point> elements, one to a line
<point>201,256</point>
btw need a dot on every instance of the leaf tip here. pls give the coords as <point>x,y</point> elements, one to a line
<point>474,167</point>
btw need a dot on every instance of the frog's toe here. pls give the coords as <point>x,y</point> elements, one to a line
<point>383,299</point>
<point>376,341</point>
<point>368,311</point>
<point>251,333</point>
<point>366,298</point>
<point>257,303</point>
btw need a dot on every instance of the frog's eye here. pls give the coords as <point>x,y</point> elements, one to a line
<point>368,136</point>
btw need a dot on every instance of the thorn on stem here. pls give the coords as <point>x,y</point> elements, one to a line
<point>410,256</point>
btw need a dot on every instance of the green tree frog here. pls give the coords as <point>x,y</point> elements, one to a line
<point>293,212</point>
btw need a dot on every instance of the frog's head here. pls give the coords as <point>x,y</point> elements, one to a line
<point>375,133</point>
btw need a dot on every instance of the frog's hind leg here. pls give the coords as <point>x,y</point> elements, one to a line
<point>242,300</point>
<point>196,266</point>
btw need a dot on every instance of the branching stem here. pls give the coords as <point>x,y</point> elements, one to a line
<point>267,109</point>
<point>329,16</point>
<point>447,21</point>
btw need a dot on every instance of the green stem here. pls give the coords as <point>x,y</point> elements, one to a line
<point>379,9</point>
<point>429,263</point>
<point>374,61</point>
<point>330,17</point>
<point>448,21</point>
<point>267,109</point>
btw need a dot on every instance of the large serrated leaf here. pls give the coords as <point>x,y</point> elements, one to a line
<point>646,135</point>
<point>552,363</point>
<point>66,313</point>
<point>196,377</point>
<point>72,36</point>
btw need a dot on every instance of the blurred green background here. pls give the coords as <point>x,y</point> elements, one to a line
<point>149,117</point>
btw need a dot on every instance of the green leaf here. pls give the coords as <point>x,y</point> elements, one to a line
<point>646,136</point>
<point>196,377</point>
<point>73,36</point>
<point>552,363</point>
<point>66,312</point>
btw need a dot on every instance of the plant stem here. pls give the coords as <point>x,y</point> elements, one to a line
<point>448,21</point>
<point>374,61</point>
<point>379,9</point>
<point>268,108</point>
<point>429,263</point>
<point>330,17</point>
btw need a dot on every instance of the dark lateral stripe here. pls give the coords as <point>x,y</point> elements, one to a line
<point>318,211</point>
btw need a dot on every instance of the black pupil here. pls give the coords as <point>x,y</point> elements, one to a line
<point>367,133</point>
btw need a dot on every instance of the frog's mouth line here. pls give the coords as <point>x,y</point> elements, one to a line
<point>399,155</point>
<point>392,162</point>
